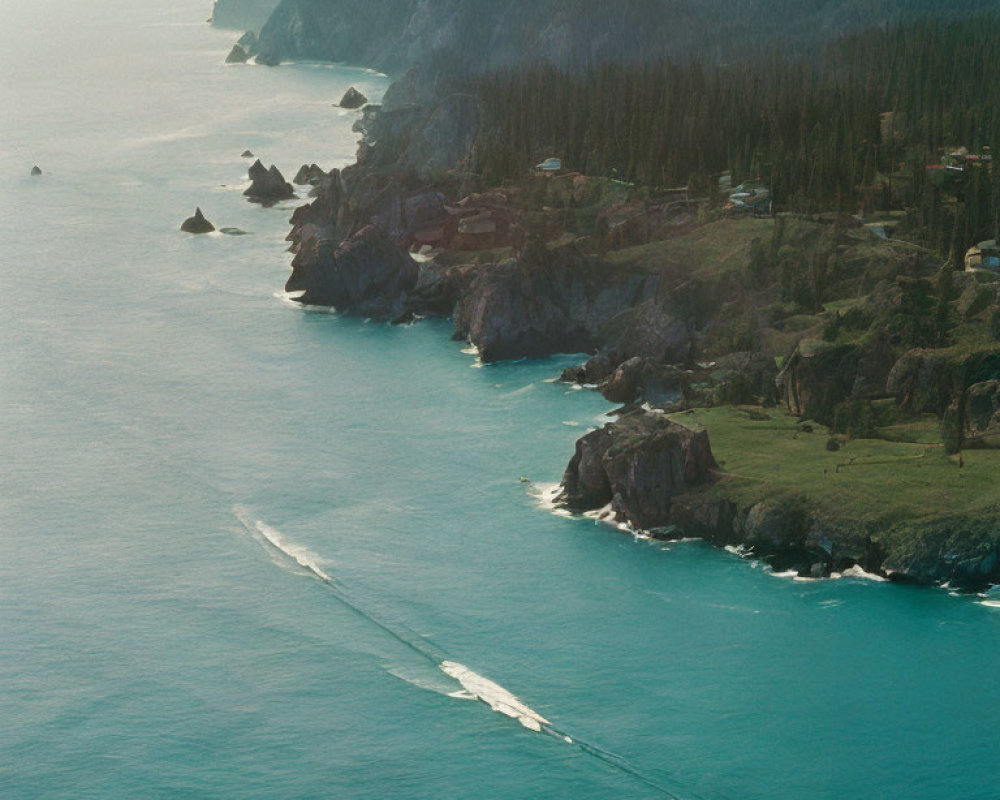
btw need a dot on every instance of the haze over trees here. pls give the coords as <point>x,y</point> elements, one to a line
<point>851,132</point>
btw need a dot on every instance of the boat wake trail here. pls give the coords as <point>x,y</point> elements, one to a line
<point>474,685</point>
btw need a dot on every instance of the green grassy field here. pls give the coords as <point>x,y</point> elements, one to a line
<point>766,452</point>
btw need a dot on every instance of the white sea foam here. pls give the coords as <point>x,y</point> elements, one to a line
<point>430,680</point>
<point>605,514</point>
<point>990,603</point>
<point>519,392</point>
<point>546,494</point>
<point>494,695</point>
<point>857,572</point>
<point>302,556</point>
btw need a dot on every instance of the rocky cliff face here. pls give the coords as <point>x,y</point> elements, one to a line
<point>662,478</point>
<point>638,464</point>
<point>545,302</point>
<point>488,34</point>
<point>242,15</point>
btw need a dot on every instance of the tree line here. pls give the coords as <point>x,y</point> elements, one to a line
<point>851,130</point>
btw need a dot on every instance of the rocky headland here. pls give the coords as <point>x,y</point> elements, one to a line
<point>242,15</point>
<point>849,386</point>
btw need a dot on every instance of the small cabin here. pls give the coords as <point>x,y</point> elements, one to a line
<point>550,165</point>
<point>985,255</point>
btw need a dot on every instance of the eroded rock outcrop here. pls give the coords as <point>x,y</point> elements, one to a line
<point>268,185</point>
<point>817,377</point>
<point>366,276</point>
<point>981,419</point>
<point>928,381</point>
<point>352,99</point>
<point>197,223</point>
<point>544,302</point>
<point>309,175</point>
<point>238,55</point>
<point>638,464</point>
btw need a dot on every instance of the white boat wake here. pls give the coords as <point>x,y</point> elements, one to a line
<point>473,685</point>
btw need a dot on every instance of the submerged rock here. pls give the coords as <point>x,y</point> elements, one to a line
<point>246,154</point>
<point>197,223</point>
<point>269,185</point>
<point>36,170</point>
<point>352,99</point>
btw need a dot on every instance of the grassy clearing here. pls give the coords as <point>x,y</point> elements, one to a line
<point>766,452</point>
<point>707,250</point>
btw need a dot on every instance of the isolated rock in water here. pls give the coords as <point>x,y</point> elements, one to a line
<point>246,154</point>
<point>36,170</point>
<point>238,55</point>
<point>197,223</point>
<point>233,231</point>
<point>353,99</point>
<point>308,174</point>
<point>269,185</point>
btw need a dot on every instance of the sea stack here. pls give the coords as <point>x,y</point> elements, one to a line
<point>353,99</point>
<point>269,185</point>
<point>309,174</point>
<point>238,55</point>
<point>197,223</point>
<point>36,170</point>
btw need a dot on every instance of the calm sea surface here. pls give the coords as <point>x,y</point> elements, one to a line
<point>237,538</point>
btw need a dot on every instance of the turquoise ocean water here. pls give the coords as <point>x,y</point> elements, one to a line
<point>237,539</point>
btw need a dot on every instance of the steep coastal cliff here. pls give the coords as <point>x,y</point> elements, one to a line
<point>242,15</point>
<point>766,330</point>
<point>488,34</point>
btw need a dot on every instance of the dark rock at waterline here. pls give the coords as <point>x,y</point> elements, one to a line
<point>197,223</point>
<point>309,174</point>
<point>639,346</point>
<point>366,276</point>
<point>352,99</point>
<point>36,170</point>
<point>438,289</point>
<point>638,463</point>
<point>246,154</point>
<point>233,231</point>
<point>645,380</point>
<point>544,302</point>
<point>238,55</point>
<point>269,185</point>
